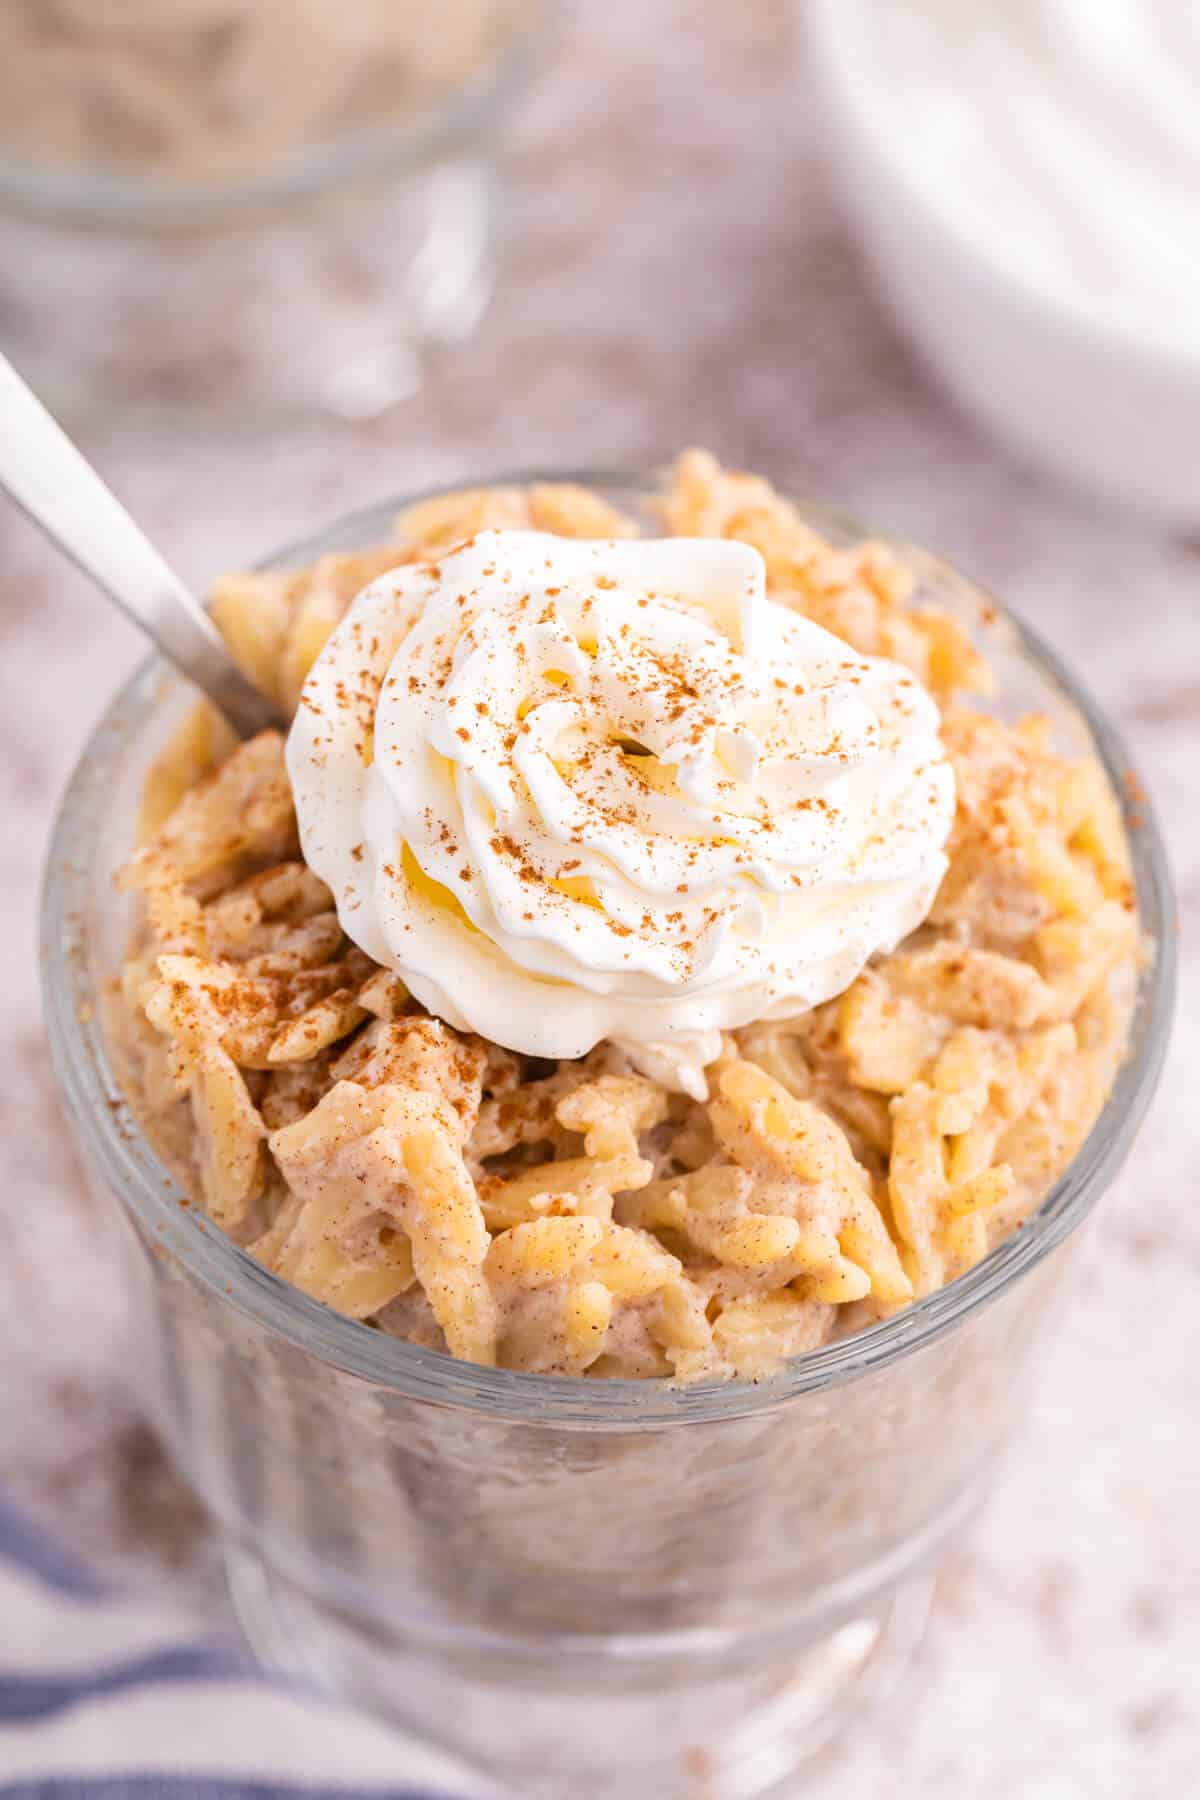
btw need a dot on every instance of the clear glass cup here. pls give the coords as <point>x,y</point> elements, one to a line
<point>313,282</point>
<point>598,1588</point>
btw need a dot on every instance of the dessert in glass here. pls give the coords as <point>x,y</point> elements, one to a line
<point>598,1113</point>
<point>250,207</point>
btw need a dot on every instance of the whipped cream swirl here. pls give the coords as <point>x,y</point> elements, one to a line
<point>580,790</point>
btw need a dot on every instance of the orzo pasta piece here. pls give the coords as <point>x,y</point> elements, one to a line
<point>611,1113</point>
<point>1077,954</point>
<point>755,1336</point>
<point>397,1150</point>
<point>576,1184</point>
<point>445,520</point>
<point>973,987</point>
<point>887,1038</point>
<point>229,1130</point>
<point>356,1270</point>
<point>243,808</point>
<point>563,1285</point>
<point>198,744</point>
<point>573,511</point>
<point>420,1052</point>
<point>276,623</point>
<point>804,1161</point>
<point>694,1203</point>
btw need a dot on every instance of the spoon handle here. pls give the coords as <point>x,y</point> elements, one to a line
<point>49,479</point>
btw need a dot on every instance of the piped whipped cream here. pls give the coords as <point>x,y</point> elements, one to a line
<point>575,790</point>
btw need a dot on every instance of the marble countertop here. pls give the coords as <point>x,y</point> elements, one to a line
<point>679,274</point>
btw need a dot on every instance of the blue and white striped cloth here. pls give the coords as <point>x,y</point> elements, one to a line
<point>111,1698</point>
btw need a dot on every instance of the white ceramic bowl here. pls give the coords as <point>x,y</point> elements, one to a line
<point>1102,405</point>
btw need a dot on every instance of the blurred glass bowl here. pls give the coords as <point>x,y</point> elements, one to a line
<point>223,267</point>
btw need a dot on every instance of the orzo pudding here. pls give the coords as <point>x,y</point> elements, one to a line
<point>644,957</point>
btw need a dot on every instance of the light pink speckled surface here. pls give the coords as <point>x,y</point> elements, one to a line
<point>681,276</point>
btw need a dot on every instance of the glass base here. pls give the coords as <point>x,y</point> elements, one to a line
<point>745,1734</point>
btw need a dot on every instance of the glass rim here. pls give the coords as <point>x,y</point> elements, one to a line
<point>108,195</point>
<point>117,1146</point>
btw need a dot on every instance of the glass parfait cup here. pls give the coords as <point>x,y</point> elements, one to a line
<point>604,1588</point>
<point>312,282</point>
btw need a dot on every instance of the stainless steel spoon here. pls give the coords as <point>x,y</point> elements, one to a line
<point>45,474</point>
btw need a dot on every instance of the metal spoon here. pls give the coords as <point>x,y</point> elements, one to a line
<point>49,479</point>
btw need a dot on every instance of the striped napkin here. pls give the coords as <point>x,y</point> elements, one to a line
<point>111,1698</point>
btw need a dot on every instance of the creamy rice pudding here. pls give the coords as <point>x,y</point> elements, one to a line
<point>645,957</point>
